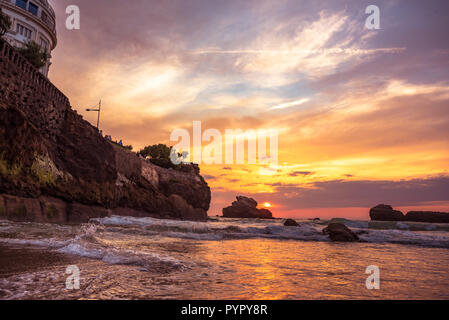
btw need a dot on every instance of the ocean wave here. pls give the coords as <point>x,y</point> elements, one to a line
<point>235,229</point>
<point>112,255</point>
<point>148,223</point>
<point>86,244</point>
<point>221,230</point>
<point>429,239</point>
<point>107,238</point>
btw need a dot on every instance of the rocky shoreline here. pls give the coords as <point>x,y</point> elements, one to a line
<point>384,212</point>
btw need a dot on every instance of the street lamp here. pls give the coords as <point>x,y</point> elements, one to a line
<point>99,111</point>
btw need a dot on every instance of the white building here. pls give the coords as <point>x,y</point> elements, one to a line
<point>32,20</point>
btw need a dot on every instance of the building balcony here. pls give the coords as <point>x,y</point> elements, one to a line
<point>40,9</point>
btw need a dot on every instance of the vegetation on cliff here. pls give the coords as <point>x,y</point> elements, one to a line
<point>31,51</point>
<point>159,154</point>
<point>7,169</point>
<point>34,54</point>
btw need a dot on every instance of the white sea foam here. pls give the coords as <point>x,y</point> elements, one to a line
<point>113,255</point>
<point>106,237</point>
<point>47,243</point>
<point>402,226</point>
<point>148,222</point>
<point>78,249</point>
<point>429,239</point>
<point>223,229</point>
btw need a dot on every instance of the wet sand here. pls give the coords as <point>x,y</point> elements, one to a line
<point>17,259</point>
<point>29,273</point>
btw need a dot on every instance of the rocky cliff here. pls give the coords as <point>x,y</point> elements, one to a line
<point>56,167</point>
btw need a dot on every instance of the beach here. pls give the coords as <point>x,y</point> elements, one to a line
<point>145,258</point>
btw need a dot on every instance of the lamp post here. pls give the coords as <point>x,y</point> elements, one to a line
<point>99,111</point>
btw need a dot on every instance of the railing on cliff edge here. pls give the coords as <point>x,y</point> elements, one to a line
<point>35,76</point>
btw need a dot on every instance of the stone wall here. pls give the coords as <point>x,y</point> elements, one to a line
<point>22,85</point>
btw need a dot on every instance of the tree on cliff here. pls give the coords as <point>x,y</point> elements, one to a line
<point>159,155</point>
<point>34,54</point>
<point>5,23</point>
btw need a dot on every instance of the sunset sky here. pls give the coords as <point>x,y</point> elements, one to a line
<point>363,115</point>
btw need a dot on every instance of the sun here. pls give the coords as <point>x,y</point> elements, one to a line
<point>267,205</point>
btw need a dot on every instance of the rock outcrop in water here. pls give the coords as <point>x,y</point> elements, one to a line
<point>427,216</point>
<point>246,208</point>
<point>338,232</point>
<point>384,212</point>
<point>290,223</point>
<point>56,167</point>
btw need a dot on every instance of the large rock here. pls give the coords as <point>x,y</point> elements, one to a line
<point>246,208</point>
<point>427,216</point>
<point>265,214</point>
<point>249,202</point>
<point>384,212</point>
<point>340,233</point>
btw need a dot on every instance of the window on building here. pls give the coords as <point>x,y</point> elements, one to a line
<point>22,4</point>
<point>24,31</point>
<point>44,44</point>
<point>33,8</point>
<point>44,16</point>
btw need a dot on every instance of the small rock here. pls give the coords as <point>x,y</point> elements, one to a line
<point>290,223</point>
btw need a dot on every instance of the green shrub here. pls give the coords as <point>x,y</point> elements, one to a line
<point>9,170</point>
<point>159,155</point>
<point>3,167</point>
<point>45,178</point>
<point>34,54</point>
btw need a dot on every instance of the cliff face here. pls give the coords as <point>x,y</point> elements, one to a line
<point>54,166</point>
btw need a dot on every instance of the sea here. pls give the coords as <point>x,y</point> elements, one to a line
<point>146,258</point>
